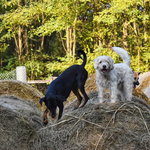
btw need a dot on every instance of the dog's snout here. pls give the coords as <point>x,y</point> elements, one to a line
<point>53,116</point>
<point>136,83</point>
<point>104,66</point>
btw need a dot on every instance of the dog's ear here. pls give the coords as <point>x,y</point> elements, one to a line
<point>96,62</point>
<point>61,98</point>
<point>111,63</point>
<point>42,100</point>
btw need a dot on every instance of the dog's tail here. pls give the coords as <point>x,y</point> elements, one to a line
<point>123,54</point>
<point>84,57</point>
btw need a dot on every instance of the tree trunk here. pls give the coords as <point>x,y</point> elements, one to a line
<point>125,34</point>
<point>135,31</point>
<point>62,41</point>
<point>42,42</point>
<point>26,43</point>
<point>20,44</point>
<point>145,31</point>
<point>74,34</point>
<point>74,42</point>
<point>19,38</point>
<point>1,61</point>
<point>68,40</point>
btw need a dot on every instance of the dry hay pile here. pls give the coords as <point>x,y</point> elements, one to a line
<point>143,90</point>
<point>139,93</point>
<point>20,90</point>
<point>145,86</point>
<point>121,126</point>
<point>19,122</point>
<point>143,76</point>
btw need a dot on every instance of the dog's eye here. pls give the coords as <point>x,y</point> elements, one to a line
<point>100,62</point>
<point>134,78</point>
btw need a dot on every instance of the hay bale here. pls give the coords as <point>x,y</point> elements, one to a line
<point>143,76</point>
<point>145,86</point>
<point>21,90</point>
<point>139,93</point>
<point>19,121</point>
<point>122,126</point>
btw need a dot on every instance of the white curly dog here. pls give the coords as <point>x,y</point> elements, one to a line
<point>118,78</point>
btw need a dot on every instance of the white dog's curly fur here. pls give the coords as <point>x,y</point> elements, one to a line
<point>118,78</point>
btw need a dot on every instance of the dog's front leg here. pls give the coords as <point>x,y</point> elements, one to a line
<point>61,107</point>
<point>113,92</point>
<point>45,117</point>
<point>100,91</point>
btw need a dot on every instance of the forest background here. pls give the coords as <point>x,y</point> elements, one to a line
<point>44,35</point>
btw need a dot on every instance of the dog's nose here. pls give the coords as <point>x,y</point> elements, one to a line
<point>53,116</point>
<point>104,66</point>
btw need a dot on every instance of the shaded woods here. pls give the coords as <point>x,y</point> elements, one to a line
<point>44,35</point>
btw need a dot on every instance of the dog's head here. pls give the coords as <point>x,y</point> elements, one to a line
<point>136,79</point>
<point>52,101</point>
<point>103,64</point>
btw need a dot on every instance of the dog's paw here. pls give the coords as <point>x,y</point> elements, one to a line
<point>101,100</point>
<point>59,117</point>
<point>45,123</point>
<point>76,107</point>
<point>113,101</point>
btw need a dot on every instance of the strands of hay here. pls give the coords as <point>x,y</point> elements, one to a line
<point>138,93</point>
<point>122,126</point>
<point>144,84</point>
<point>19,121</point>
<point>21,90</point>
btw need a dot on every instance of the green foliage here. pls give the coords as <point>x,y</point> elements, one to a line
<point>35,66</point>
<point>12,63</point>
<point>98,25</point>
<point>57,67</point>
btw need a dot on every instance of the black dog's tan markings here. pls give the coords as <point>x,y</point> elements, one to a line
<point>45,116</point>
<point>72,79</point>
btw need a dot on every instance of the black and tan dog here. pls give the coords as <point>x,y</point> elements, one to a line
<point>72,79</point>
<point>136,79</point>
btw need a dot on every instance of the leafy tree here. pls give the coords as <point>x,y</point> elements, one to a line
<point>43,35</point>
